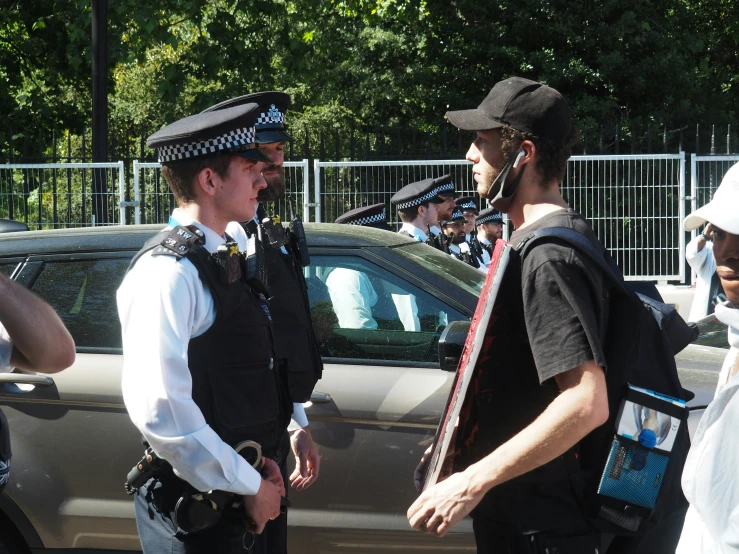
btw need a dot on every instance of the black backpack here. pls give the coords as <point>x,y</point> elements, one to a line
<point>642,338</point>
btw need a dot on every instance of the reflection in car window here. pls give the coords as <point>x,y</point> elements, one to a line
<point>712,333</point>
<point>83,294</point>
<point>447,267</point>
<point>363,312</point>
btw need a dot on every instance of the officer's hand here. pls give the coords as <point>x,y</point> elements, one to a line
<point>271,472</point>
<point>262,507</point>
<point>307,459</point>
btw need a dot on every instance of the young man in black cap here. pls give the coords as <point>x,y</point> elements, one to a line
<point>295,339</point>
<point>535,414</point>
<point>200,379</point>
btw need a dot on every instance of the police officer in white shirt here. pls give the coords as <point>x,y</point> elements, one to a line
<point>200,378</point>
<point>471,245</point>
<point>417,204</point>
<point>294,336</point>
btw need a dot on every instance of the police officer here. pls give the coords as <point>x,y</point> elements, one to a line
<point>366,216</point>
<point>295,339</point>
<point>446,203</point>
<point>489,229</point>
<point>471,245</point>
<point>200,375</point>
<point>417,204</point>
<point>454,231</point>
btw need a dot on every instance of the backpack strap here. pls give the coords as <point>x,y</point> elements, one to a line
<point>583,245</point>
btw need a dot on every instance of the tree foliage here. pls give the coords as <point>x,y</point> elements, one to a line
<point>370,63</point>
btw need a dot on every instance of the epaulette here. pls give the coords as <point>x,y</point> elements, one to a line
<point>179,241</point>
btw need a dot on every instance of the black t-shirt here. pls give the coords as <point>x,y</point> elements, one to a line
<point>559,324</point>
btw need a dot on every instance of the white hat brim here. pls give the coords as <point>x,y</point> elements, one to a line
<point>722,215</point>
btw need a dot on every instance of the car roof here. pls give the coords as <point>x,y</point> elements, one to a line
<point>132,237</point>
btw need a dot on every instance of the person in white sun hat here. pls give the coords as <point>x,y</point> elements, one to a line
<point>710,478</point>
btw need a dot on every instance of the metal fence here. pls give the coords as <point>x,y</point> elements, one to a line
<point>343,186</point>
<point>634,202</point>
<point>152,200</point>
<point>706,173</point>
<point>46,196</point>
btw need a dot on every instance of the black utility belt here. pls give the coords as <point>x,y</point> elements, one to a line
<point>195,510</point>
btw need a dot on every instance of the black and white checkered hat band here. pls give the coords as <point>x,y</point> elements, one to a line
<point>272,116</point>
<point>369,219</point>
<point>468,205</point>
<point>238,139</point>
<point>496,218</point>
<point>421,199</point>
<point>445,186</point>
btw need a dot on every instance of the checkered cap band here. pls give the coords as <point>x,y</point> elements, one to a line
<point>469,204</point>
<point>273,115</point>
<point>421,199</point>
<point>445,186</point>
<point>236,140</point>
<point>490,218</point>
<point>369,219</point>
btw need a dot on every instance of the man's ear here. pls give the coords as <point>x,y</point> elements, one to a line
<point>206,181</point>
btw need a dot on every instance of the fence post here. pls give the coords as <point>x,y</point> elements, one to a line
<point>121,195</point>
<point>306,195</point>
<point>693,200</point>
<point>728,139</point>
<point>136,197</point>
<point>317,190</point>
<point>681,218</point>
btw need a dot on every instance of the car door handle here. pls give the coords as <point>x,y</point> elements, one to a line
<point>320,398</point>
<point>26,379</point>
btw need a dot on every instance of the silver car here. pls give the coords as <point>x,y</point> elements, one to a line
<point>373,413</point>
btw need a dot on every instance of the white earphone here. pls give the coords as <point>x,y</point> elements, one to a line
<point>521,154</point>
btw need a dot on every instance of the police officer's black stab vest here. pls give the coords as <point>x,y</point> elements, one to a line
<point>294,338</point>
<point>236,380</point>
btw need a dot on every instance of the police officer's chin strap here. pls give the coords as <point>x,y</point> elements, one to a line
<point>501,193</point>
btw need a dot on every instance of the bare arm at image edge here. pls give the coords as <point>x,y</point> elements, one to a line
<point>40,342</point>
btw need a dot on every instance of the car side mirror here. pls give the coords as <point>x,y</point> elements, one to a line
<point>451,344</point>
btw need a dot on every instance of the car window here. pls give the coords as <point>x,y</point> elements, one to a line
<point>712,333</point>
<point>448,268</point>
<point>7,269</point>
<point>363,312</point>
<point>83,294</point>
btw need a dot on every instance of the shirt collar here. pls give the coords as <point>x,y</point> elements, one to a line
<point>413,230</point>
<point>436,231</point>
<point>483,240</point>
<point>212,239</point>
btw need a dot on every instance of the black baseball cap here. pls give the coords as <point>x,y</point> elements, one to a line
<point>522,104</point>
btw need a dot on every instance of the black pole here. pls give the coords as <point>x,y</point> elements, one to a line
<point>100,107</point>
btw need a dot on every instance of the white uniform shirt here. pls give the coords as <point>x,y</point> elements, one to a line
<point>162,304</point>
<point>710,475</point>
<point>704,265</point>
<point>465,247</point>
<point>485,254</point>
<point>414,231</point>
<point>353,297</point>
<point>6,349</point>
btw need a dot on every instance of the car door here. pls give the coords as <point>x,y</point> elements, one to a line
<point>375,410</point>
<point>72,440</point>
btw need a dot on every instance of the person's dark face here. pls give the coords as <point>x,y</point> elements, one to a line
<point>726,252</point>
<point>456,231</point>
<point>273,173</point>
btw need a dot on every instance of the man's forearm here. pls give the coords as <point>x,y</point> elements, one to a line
<point>40,340</point>
<point>567,420</point>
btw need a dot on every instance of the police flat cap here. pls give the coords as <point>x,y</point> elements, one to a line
<point>229,131</point>
<point>489,215</point>
<point>457,217</point>
<point>467,204</point>
<point>415,194</point>
<point>366,216</point>
<point>446,186</point>
<point>273,105</point>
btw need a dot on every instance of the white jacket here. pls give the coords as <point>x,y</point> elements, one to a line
<point>711,475</point>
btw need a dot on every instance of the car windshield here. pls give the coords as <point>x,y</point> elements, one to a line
<point>712,333</point>
<point>455,272</point>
